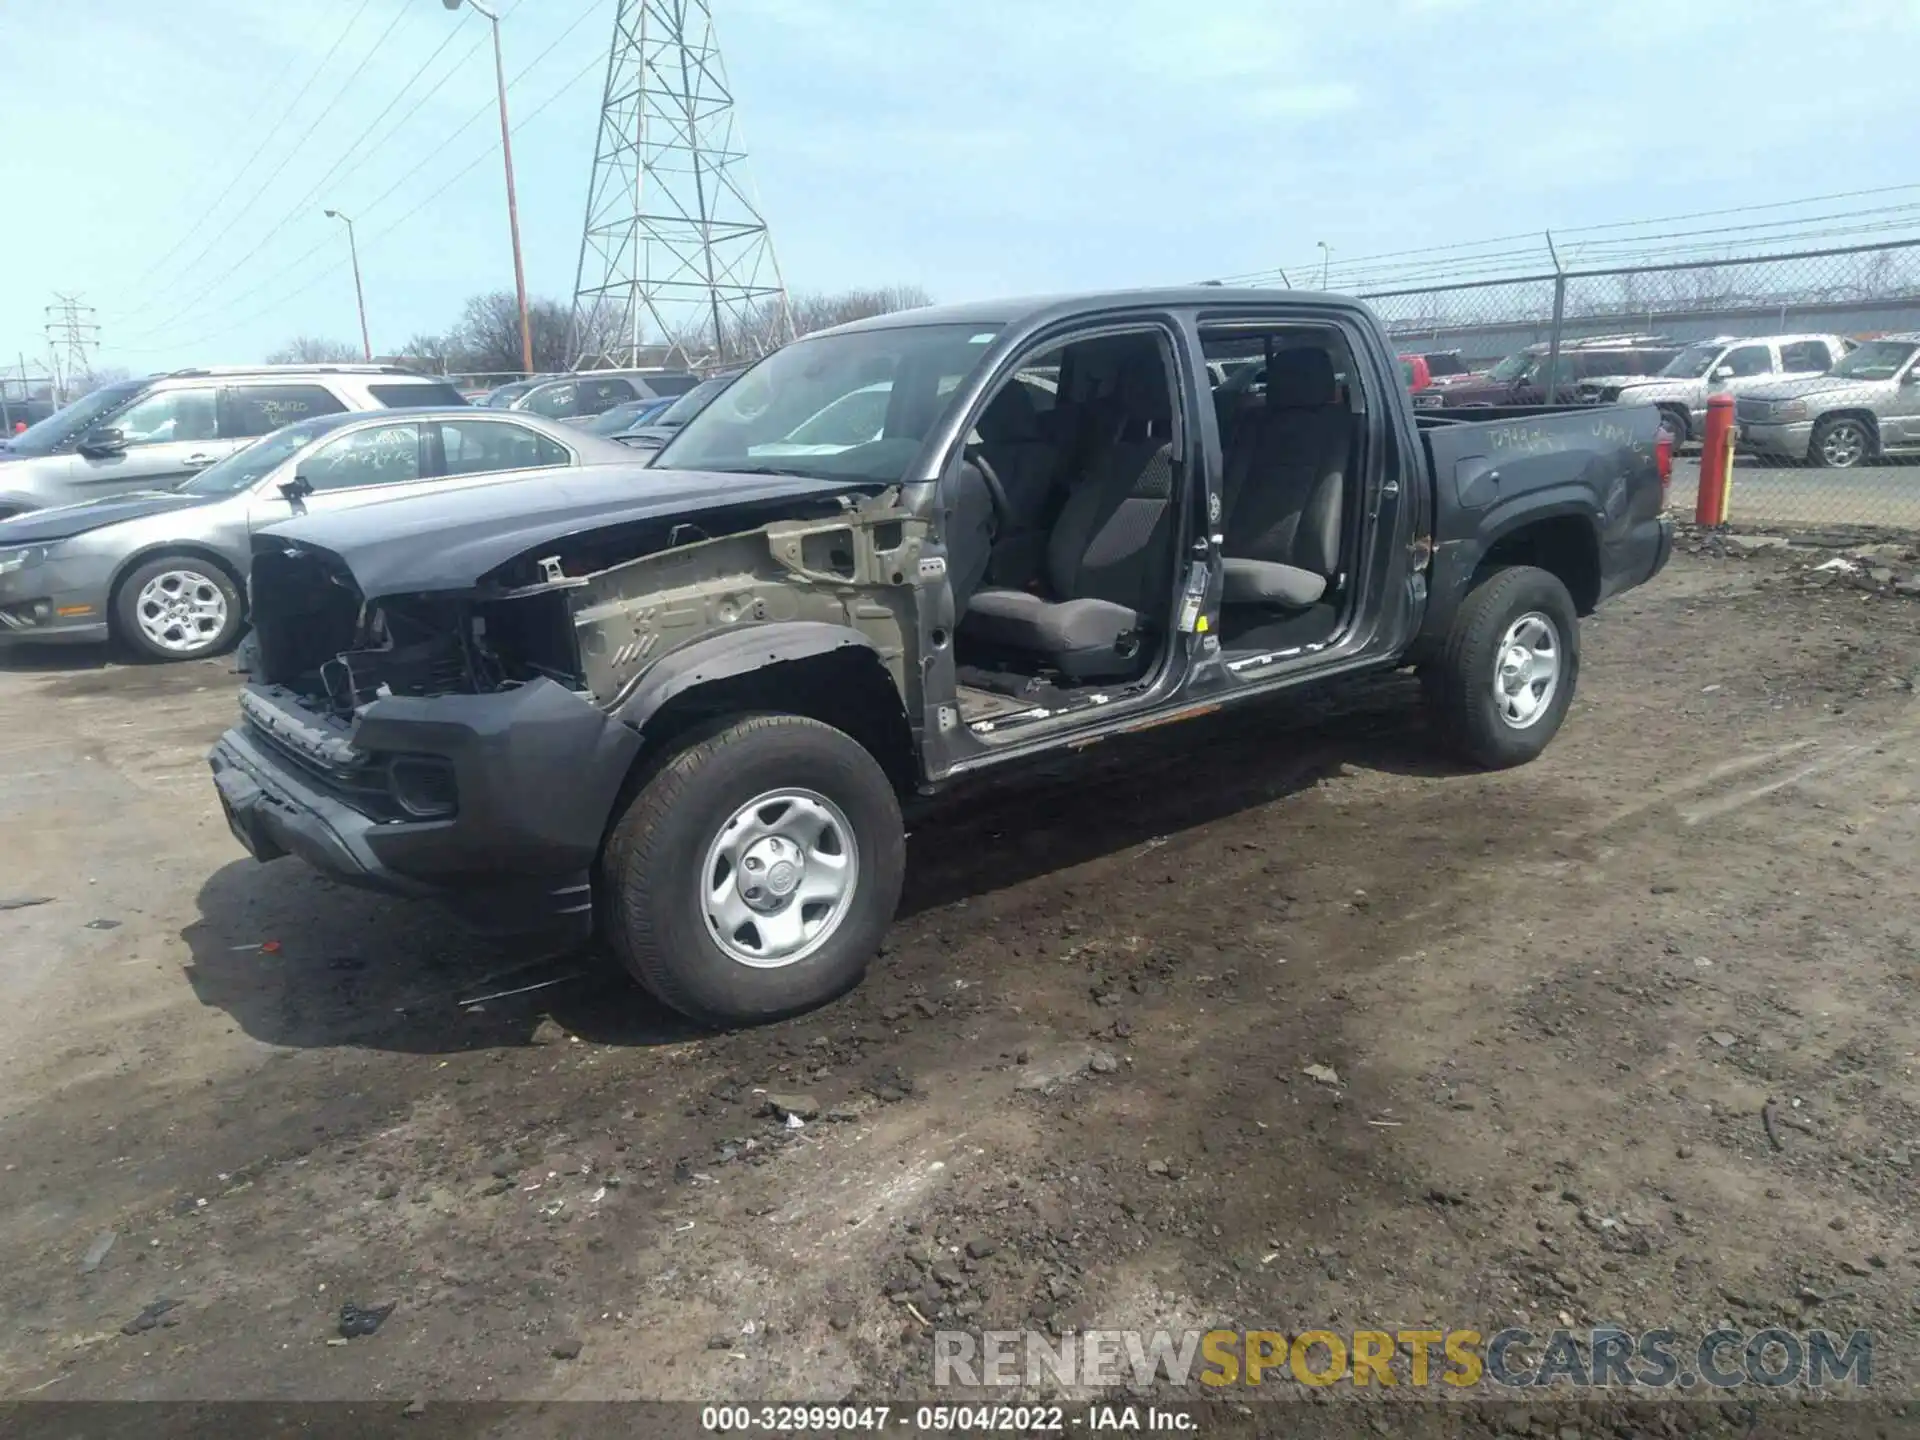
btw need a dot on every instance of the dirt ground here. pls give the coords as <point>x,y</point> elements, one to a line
<point>1554,1003</point>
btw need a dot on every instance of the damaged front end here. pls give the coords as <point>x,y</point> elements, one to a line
<point>438,740</point>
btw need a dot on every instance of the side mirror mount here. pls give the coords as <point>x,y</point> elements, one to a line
<point>102,441</point>
<point>296,491</point>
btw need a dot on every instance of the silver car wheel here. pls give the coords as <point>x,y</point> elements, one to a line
<point>182,611</point>
<point>779,878</point>
<point>1526,670</point>
<point>1843,444</point>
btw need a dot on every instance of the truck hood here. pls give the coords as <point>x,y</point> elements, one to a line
<point>450,541</point>
<point>1813,385</point>
<point>62,522</point>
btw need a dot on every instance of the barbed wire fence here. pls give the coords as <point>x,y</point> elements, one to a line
<point>1832,449</point>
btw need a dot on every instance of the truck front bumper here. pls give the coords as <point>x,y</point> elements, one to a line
<point>531,774</point>
<point>1788,442</point>
<point>62,599</point>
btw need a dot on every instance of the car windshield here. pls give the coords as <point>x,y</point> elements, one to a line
<point>1520,363</point>
<point>503,397</point>
<point>619,417</point>
<point>1692,362</point>
<point>1875,360</point>
<point>66,425</point>
<point>854,405</point>
<point>255,462</point>
<point>694,401</point>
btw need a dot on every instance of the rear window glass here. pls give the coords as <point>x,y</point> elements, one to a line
<point>670,384</point>
<point>1445,365</point>
<point>427,392</point>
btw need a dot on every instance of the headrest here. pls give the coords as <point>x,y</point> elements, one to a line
<point>1299,379</point>
<point>1009,416</point>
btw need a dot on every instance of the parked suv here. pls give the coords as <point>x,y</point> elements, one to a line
<point>581,397</point>
<point>1868,405</point>
<point>1521,378</point>
<point>153,433</point>
<point>1731,363</point>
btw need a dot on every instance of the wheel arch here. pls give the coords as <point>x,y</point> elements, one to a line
<point>1565,544</point>
<point>1853,412</point>
<point>830,673</point>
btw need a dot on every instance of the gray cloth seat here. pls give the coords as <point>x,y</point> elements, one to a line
<point>1284,487</point>
<point>1108,556</point>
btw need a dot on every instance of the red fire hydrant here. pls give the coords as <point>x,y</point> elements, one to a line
<point>1716,463</point>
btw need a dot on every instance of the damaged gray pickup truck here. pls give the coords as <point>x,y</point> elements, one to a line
<point>682,704</point>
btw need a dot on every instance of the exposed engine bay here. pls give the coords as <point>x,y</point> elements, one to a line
<point>590,611</point>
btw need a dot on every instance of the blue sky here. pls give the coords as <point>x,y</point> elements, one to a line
<point>973,147</point>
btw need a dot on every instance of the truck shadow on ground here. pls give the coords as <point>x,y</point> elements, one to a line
<point>300,961</point>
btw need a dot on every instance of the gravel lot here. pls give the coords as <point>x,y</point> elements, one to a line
<point>1555,1001</point>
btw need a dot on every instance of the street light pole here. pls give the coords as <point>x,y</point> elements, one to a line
<point>359,295</point>
<point>513,210</point>
<point>1326,255</point>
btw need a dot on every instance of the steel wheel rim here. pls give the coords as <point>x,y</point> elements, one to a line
<point>1843,445</point>
<point>1526,670</point>
<point>181,611</point>
<point>779,878</point>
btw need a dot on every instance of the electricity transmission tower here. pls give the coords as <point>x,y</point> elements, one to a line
<point>674,251</point>
<point>71,334</point>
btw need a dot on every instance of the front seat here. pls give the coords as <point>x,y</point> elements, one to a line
<point>1109,554</point>
<point>1284,484</point>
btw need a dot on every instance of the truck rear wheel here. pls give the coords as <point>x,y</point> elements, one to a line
<point>1504,680</point>
<point>754,874</point>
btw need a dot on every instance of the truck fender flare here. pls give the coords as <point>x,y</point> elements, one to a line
<point>736,652</point>
<point>1505,518</point>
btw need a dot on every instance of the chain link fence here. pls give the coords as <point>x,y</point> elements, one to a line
<point>1827,395</point>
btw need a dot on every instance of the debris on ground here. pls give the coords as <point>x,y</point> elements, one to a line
<point>791,1107</point>
<point>1323,1073</point>
<point>103,924</point>
<point>358,1320</point>
<point>1769,1116</point>
<point>566,1350</point>
<point>97,1252</point>
<point>23,902</point>
<point>548,1032</point>
<point>149,1317</point>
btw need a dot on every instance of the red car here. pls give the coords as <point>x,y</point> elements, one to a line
<point>1420,371</point>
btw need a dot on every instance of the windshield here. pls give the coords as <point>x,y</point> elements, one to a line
<point>1446,363</point>
<point>694,401</point>
<point>246,466</point>
<point>1875,360</point>
<point>65,425</point>
<point>1692,362</point>
<point>855,405</point>
<point>619,417</point>
<point>501,398</point>
<point>1520,363</point>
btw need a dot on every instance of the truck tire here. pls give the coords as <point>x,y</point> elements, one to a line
<point>754,873</point>
<point>177,607</point>
<point>1677,425</point>
<point>1503,681</point>
<point>1842,442</point>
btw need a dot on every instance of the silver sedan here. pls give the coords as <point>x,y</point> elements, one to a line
<point>164,571</point>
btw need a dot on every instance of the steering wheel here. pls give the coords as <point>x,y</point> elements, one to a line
<point>996,493</point>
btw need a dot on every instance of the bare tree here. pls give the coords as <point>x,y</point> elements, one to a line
<point>487,335</point>
<point>314,350</point>
<point>761,327</point>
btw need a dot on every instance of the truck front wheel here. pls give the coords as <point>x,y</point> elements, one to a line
<point>1501,686</point>
<point>754,874</point>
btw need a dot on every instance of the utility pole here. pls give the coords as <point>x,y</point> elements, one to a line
<point>1326,258</point>
<point>359,295</point>
<point>72,333</point>
<point>513,209</point>
<point>674,245</point>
